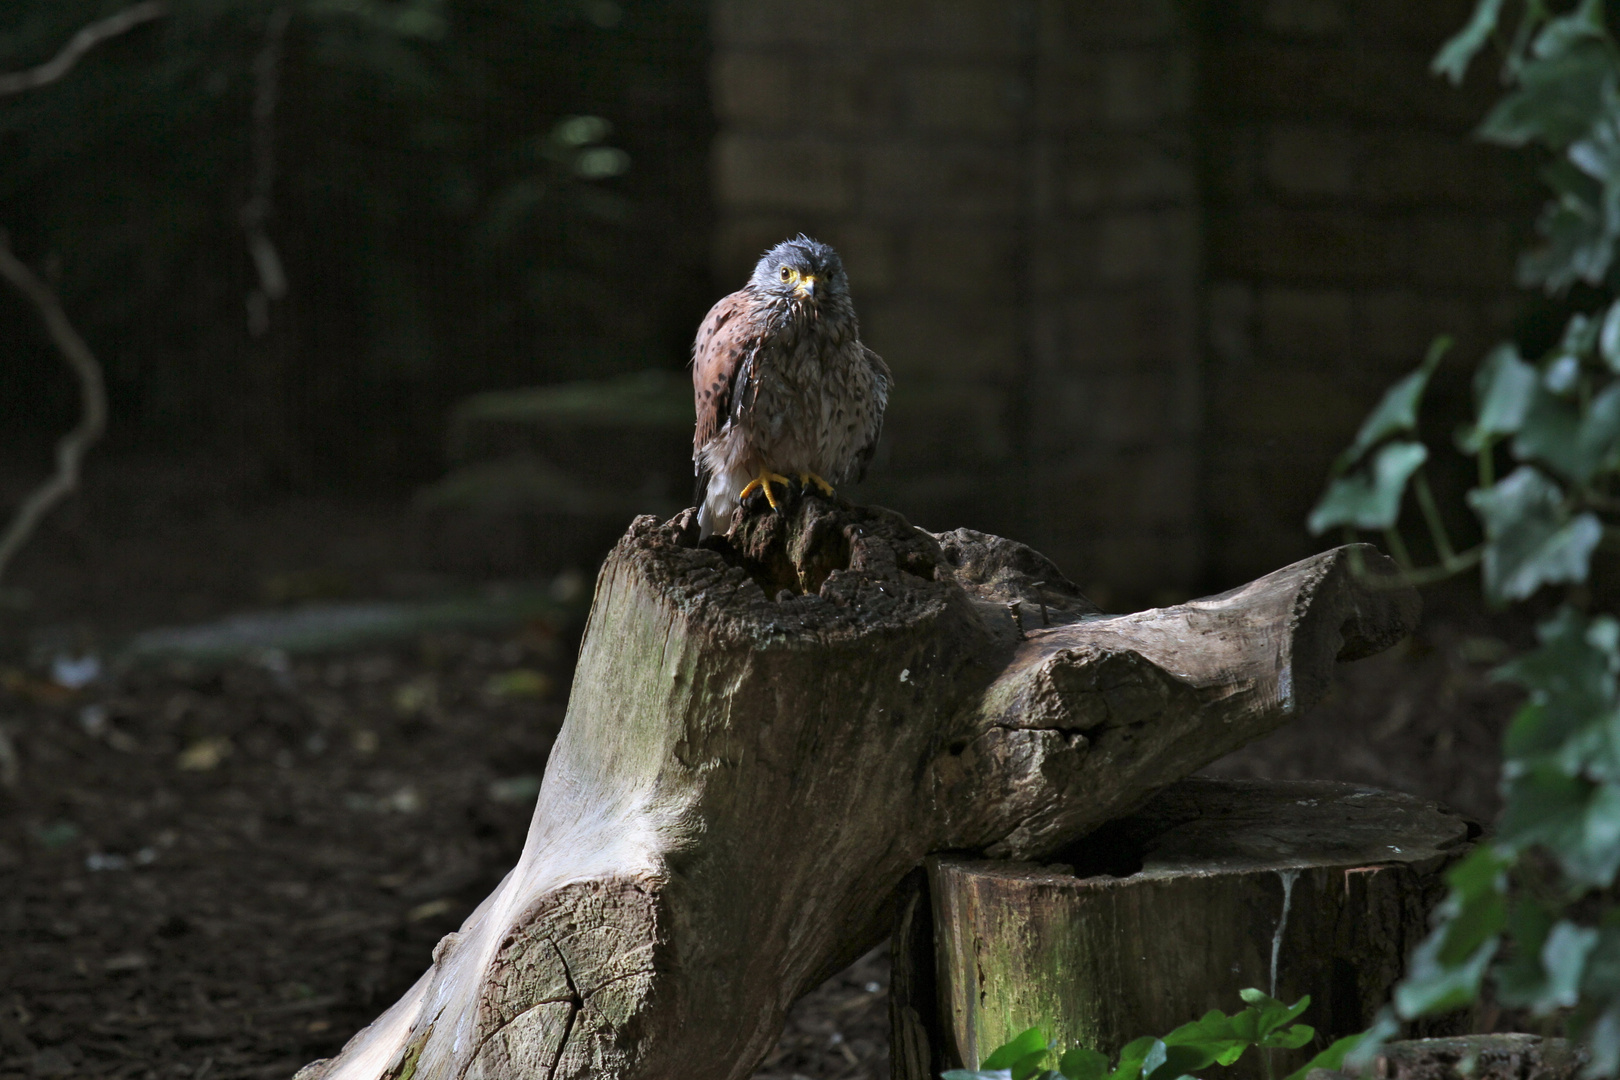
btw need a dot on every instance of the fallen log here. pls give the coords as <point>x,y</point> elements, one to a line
<point>768,731</point>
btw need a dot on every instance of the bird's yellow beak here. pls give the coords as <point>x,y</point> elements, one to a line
<point>806,285</point>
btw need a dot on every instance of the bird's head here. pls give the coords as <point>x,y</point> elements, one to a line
<point>801,269</point>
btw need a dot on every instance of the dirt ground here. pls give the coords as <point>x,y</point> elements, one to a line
<point>223,871</point>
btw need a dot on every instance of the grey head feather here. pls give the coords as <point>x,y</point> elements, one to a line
<point>809,258</point>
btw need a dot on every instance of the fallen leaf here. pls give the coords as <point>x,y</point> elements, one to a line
<point>518,683</point>
<point>124,962</point>
<point>514,789</point>
<point>430,910</point>
<point>204,754</point>
<point>38,691</point>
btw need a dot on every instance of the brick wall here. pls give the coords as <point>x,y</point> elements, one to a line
<point>1139,265</point>
<point>1350,219</point>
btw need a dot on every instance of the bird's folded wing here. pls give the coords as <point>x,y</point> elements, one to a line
<point>719,355</point>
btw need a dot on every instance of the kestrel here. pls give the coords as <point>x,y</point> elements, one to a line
<point>782,384</point>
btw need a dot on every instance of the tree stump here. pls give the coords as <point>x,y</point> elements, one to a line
<point>769,730</point>
<point>1511,1056</point>
<point>1214,885</point>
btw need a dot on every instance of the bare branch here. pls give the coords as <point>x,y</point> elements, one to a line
<point>256,213</point>
<point>81,43</point>
<point>71,449</point>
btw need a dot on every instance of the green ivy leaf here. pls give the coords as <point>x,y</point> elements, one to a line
<point>1082,1063</point>
<point>1571,721</point>
<point>1290,1038</point>
<point>1563,33</point>
<point>1530,538</point>
<point>1476,908</point>
<point>1564,958</point>
<point>1454,56</point>
<point>1603,1040</point>
<point>1029,1065</point>
<point>1601,978</point>
<point>1273,1014</point>
<point>1573,440</point>
<point>1432,986</point>
<point>1214,1032</point>
<point>1370,499</point>
<point>1020,1046</point>
<point>1131,1058</point>
<point>1397,411</point>
<point>1155,1058</point>
<point>1580,334</point>
<point>1576,820</point>
<point>1503,388</point>
<point>1166,1062</point>
<point>1521,981</point>
<point>1331,1058</point>
<point>1609,338</point>
<point>1557,100</point>
<point>1576,662</point>
<point>1578,248</point>
<point>1445,970</point>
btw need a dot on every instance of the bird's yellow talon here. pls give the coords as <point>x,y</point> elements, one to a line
<point>763,482</point>
<point>808,478</point>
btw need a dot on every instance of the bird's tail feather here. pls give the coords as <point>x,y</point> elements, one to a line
<point>716,498</point>
<point>700,496</point>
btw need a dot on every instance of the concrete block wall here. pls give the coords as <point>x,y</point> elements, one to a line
<point>1140,266</point>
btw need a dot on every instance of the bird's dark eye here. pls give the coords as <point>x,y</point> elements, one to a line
<point>786,273</point>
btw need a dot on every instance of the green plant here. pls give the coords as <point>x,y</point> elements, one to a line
<point>1530,912</point>
<point>1213,1039</point>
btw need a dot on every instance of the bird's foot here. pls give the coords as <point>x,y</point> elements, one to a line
<point>807,479</point>
<point>763,482</point>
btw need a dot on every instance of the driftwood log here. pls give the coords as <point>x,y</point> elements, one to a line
<point>1293,887</point>
<point>767,732</point>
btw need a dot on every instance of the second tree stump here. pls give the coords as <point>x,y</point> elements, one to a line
<point>1213,886</point>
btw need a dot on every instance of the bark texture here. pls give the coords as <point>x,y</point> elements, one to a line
<point>1475,1057</point>
<point>769,730</point>
<point>1302,887</point>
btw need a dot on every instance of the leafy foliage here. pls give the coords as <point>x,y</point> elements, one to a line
<point>1213,1039</point>
<point>1531,910</point>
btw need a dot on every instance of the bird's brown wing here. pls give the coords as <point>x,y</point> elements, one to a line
<point>881,379</point>
<point>720,358</point>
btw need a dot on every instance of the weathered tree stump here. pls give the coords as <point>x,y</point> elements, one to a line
<point>1214,885</point>
<point>1474,1057</point>
<point>768,732</point>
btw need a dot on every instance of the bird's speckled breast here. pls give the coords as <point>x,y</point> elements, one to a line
<point>814,400</point>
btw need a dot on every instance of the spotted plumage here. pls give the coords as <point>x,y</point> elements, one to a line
<point>782,384</point>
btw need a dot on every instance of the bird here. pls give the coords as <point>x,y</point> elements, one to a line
<point>783,387</point>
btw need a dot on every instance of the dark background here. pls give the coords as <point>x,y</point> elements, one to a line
<point>438,236</point>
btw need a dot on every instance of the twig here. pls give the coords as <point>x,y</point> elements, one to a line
<point>1431,515</point>
<point>1397,549</point>
<point>256,211</point>
<point>71,449</point>
<point>82,42</point>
